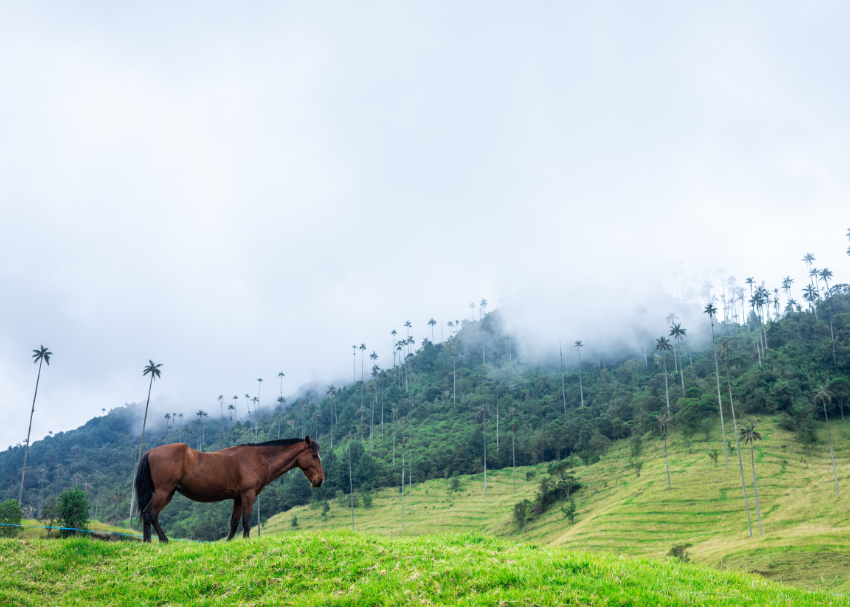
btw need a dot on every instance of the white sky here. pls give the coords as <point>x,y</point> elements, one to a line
<point>239,190</point>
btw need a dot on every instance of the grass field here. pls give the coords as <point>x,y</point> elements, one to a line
<point>344,568</point>
<point>806,528</point>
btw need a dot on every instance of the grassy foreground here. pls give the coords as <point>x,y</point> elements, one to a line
<point>342,568</point>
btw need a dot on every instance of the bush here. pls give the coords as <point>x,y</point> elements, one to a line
<point>49,514</point>
<point>680,551</point>
<point>521,513</point>
<point>10,514</point>
<point>73,510</point>
<point>367,500</point>
<point>570,511</point>
<point>294,521</point>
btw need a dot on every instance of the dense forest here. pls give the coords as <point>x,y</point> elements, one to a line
<point>442,406</point>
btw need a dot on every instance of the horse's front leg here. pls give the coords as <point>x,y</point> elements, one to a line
<point>247,511</point>
<point>234,517</point>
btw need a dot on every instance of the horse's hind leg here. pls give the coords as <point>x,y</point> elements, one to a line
<point>159,501</point>
<point>159,532</point>
<point>247,510</point>
<point>234,517</point>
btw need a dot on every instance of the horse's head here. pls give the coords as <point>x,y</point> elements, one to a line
<point>310,463</point>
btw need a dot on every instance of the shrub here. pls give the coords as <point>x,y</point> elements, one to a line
<point>294,521</point>
<point>570,511</point>
<point>367,500</point>
<point>10,514</point>
<point>521,513</point>
<point>680,551</point>
<point>73,510</point>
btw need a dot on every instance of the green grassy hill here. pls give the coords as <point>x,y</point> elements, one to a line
<point>34,529</point>
<point>341,568</point>
<point>806,537</point>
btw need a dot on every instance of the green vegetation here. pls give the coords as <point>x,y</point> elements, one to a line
<point>10,514</point>
<point>635,440</point>
<point>341,568</point>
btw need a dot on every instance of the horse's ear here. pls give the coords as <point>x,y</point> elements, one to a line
<point>308,441</point>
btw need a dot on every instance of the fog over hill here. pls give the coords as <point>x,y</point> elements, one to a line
<point>236,193</point>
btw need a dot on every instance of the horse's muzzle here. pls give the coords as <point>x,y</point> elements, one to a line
<point>317,482</point>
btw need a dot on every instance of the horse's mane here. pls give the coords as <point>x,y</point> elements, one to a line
<point>282,443</point>
<point>275,443</point>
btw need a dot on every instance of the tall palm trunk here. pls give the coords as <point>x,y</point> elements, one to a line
<point>563,387</point>
<point>29,431</point>
<point>755,484</point>
<point>484,431</point>
<point>831,452</point>
<point>738,448</point>
<point>666,460</point>
<point>719,401</point>
<point>350,482</point>
<point>580,387</point>
<point>666,387</point>
<point>141,445</point>
<point>682,371</point>
<point>402,484</point>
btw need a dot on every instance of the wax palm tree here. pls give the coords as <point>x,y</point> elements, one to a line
<point>512,411</point>
<point>826,275</point>
<point>578,346</point>
<point>481,307</point>
<point>663,422</point>
<point>281,375</point>
<point>362,351</point>
<point>472,308</point>
<point>167,417</point>
<point>725,348</point>
<point>482,413</point>
<point>250,419</point>
<point>201,415</point>
<point>291,424</point>
<point>431,324</point>
<point>316,417</point>
<point>279,410</point>
<point>786,286</point>
<point>354,364</point>
<point>394,333</point>
<point>671,318</point>
<point>451,327</point>
<point>811,296</point>
<point>454,372</point>
<point>563,385</point>
<point>42,355</point>
<point>408,325</point>
<point>231,408</point>
<point>151,369</point>
<point>221,404</point>
<point>823,396</point>
<point>663,346</point>
<point>361,412</point>
<point>332,392</point>
<point>256,402</point>
<point>712,311</point>
<point>394,411</point>
<point>677,333</point>
<point>749,435</point>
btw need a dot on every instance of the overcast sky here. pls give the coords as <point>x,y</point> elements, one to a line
<point>235,190</point>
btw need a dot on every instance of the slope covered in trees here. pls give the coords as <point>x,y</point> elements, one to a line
<point>447,403</point>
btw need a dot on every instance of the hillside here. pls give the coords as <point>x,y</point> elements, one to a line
<point>450,400</point>
<point>342,568</point>
<point>806,528</point>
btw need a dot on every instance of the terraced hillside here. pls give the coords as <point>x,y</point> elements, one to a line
<point>806,537</point>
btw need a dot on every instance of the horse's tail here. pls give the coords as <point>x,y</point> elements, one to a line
<point>144,483</point>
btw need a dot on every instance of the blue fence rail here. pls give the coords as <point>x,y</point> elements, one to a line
<point>176,539</point>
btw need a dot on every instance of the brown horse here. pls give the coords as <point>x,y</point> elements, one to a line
<point>238,473</point>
